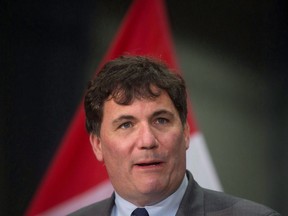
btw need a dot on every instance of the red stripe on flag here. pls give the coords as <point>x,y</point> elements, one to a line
<point>74,169</point>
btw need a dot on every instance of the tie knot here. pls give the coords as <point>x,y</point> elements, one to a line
<point>140,212</point>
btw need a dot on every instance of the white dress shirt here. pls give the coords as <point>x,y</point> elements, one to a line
<point>167,207</point>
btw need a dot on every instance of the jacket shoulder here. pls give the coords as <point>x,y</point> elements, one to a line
<point>102,208</point>
<point>219,203</point>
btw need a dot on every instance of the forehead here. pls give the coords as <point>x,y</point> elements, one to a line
<point>139,106</point>
<point>123,94</point>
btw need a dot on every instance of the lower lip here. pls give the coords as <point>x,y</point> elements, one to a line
<point>149,167</point>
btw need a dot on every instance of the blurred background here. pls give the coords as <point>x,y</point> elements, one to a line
<point>233,56</point>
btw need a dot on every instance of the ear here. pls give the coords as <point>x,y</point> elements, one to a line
<point>187,135</point>
<point>96,146</point>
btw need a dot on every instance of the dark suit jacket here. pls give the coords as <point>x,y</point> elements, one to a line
<point>197,201</point>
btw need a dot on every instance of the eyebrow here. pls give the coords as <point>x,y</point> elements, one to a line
<point>122,118</point>
<point>163,111</point>
<point>130,117</point>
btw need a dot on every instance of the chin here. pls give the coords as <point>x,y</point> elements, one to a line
<point>151,186</point>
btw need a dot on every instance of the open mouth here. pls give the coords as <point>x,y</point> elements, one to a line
<point>149,164</point>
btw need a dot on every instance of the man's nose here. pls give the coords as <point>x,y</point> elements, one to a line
<point>147,138</point>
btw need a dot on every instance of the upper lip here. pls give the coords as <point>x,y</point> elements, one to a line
<point>148,162</point>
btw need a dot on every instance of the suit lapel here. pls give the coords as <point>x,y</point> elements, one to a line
<point>108,207</point>
<point>193,200</point>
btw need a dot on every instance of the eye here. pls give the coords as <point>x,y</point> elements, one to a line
<point>126,125</point>
<point>161,121</point>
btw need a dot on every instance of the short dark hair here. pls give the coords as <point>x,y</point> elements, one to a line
<point>130,77</point>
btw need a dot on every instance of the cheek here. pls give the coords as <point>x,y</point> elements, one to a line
<point>177,148</point>
<point>110,152</point>
<point>116,161</point>
<point>113,152</point>
<point>112,158</point>
<point>176,141</point>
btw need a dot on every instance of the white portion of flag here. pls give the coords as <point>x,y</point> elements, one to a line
<point>200,163</point>
<point>95,194</point>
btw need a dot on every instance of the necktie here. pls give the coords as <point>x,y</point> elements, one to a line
<point>140,212</point>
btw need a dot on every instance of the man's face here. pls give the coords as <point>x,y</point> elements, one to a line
<point>143,146</point>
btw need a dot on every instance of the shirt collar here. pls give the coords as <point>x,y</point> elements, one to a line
<point>168,206</point>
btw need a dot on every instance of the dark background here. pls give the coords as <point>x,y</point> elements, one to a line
<point>233,56</point>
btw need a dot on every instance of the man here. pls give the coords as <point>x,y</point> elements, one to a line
<point>136,116</point>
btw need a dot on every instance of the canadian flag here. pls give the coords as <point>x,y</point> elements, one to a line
<point>75,178</point>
